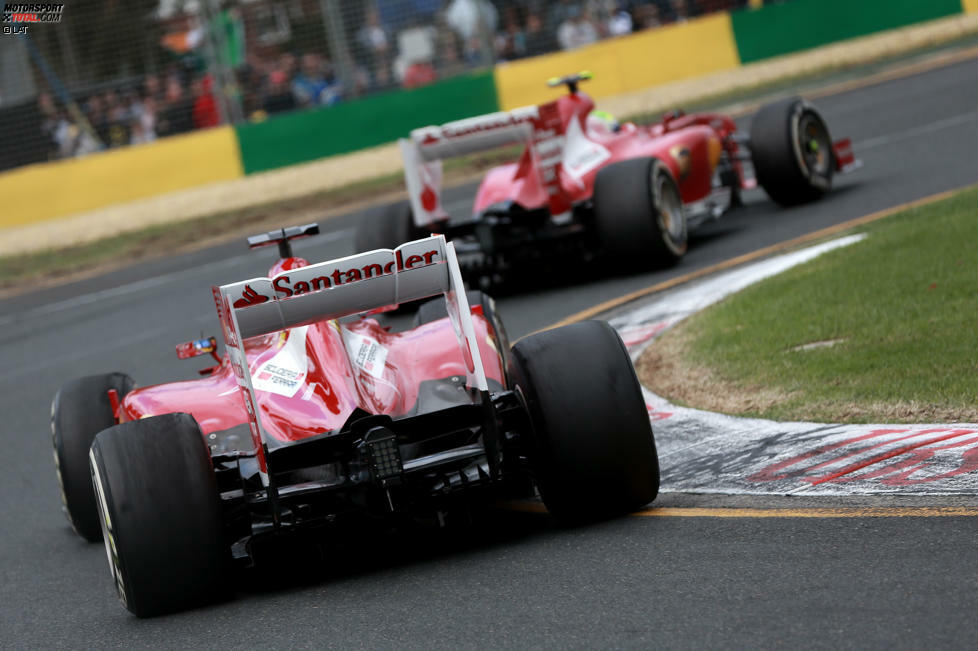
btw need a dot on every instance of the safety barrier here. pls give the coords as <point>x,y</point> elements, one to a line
<point>622,65</point>
<point>49,190</point>
<point>626,63</point>
<point>803,24</point>
<point>374,120</point>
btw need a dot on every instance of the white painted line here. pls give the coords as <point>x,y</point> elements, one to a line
<point>678,304</point>
<point>957,120</point>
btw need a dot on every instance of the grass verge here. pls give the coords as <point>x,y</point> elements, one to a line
<point>880,331</point>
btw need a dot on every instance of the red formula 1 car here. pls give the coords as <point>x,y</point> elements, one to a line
<point>314,420</point>
<point>587,187</point>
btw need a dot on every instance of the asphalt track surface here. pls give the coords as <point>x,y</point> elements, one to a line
<point>516,581</point>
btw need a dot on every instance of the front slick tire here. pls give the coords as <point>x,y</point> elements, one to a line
<point>591,445</point>
<point>791,151</point>
<point>161,514</point>
<point>80,410</point>
<point>639,214</point>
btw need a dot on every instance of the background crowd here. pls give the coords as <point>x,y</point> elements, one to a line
<point>395,43</point>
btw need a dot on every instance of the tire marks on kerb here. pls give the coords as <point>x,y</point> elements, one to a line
<point>704,452</point>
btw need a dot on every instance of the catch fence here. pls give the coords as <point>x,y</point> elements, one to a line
<point>79,78</point>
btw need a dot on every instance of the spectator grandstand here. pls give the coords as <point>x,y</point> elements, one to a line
<point>192,64</point>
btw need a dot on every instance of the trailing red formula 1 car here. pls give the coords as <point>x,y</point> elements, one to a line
<point>586,187</point>
<point>313,420</point>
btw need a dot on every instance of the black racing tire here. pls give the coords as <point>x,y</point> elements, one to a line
<point>160,514</point>
<point>591,447</point>
<point>639,213</point>
<point>387,228</point>
<point>80,410</point>
<point>437,309</point>
<point>791,150</point>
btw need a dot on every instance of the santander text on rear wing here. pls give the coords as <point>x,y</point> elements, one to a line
<point>539,127</point>
<point>338,288</point>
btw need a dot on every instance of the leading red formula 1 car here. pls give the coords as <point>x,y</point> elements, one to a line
<point>317,417</point>
<point>586,187</point>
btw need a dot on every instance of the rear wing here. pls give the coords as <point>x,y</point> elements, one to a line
<point>538,127</point>
<point>338,288</point>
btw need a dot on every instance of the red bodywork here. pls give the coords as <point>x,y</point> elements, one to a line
<point>568,143</point>
<point>333,385</point>
<point>690,145</point>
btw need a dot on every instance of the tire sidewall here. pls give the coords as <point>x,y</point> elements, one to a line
<point>590,443</point>
<point>103,497</point>
<point>676,247</point>
<point>821,182</point>
<point>627,203</point>
<point>160,514</point>
<point>61,467</point>
<point>777,156</point>
<point>79,411</point>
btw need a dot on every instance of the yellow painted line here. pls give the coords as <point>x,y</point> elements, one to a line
<point>798,512</point>
<point>749,257</point>
<point>970,6</point>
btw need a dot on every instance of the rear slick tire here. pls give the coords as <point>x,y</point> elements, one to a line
<point>591,447</point>
<point>160,514</point>
<point>639,213</point>
<point>387,228</point>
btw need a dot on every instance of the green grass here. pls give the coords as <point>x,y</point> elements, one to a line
<point>903,302</point>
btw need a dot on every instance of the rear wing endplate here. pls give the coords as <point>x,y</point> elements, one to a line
<point>338,288</point>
